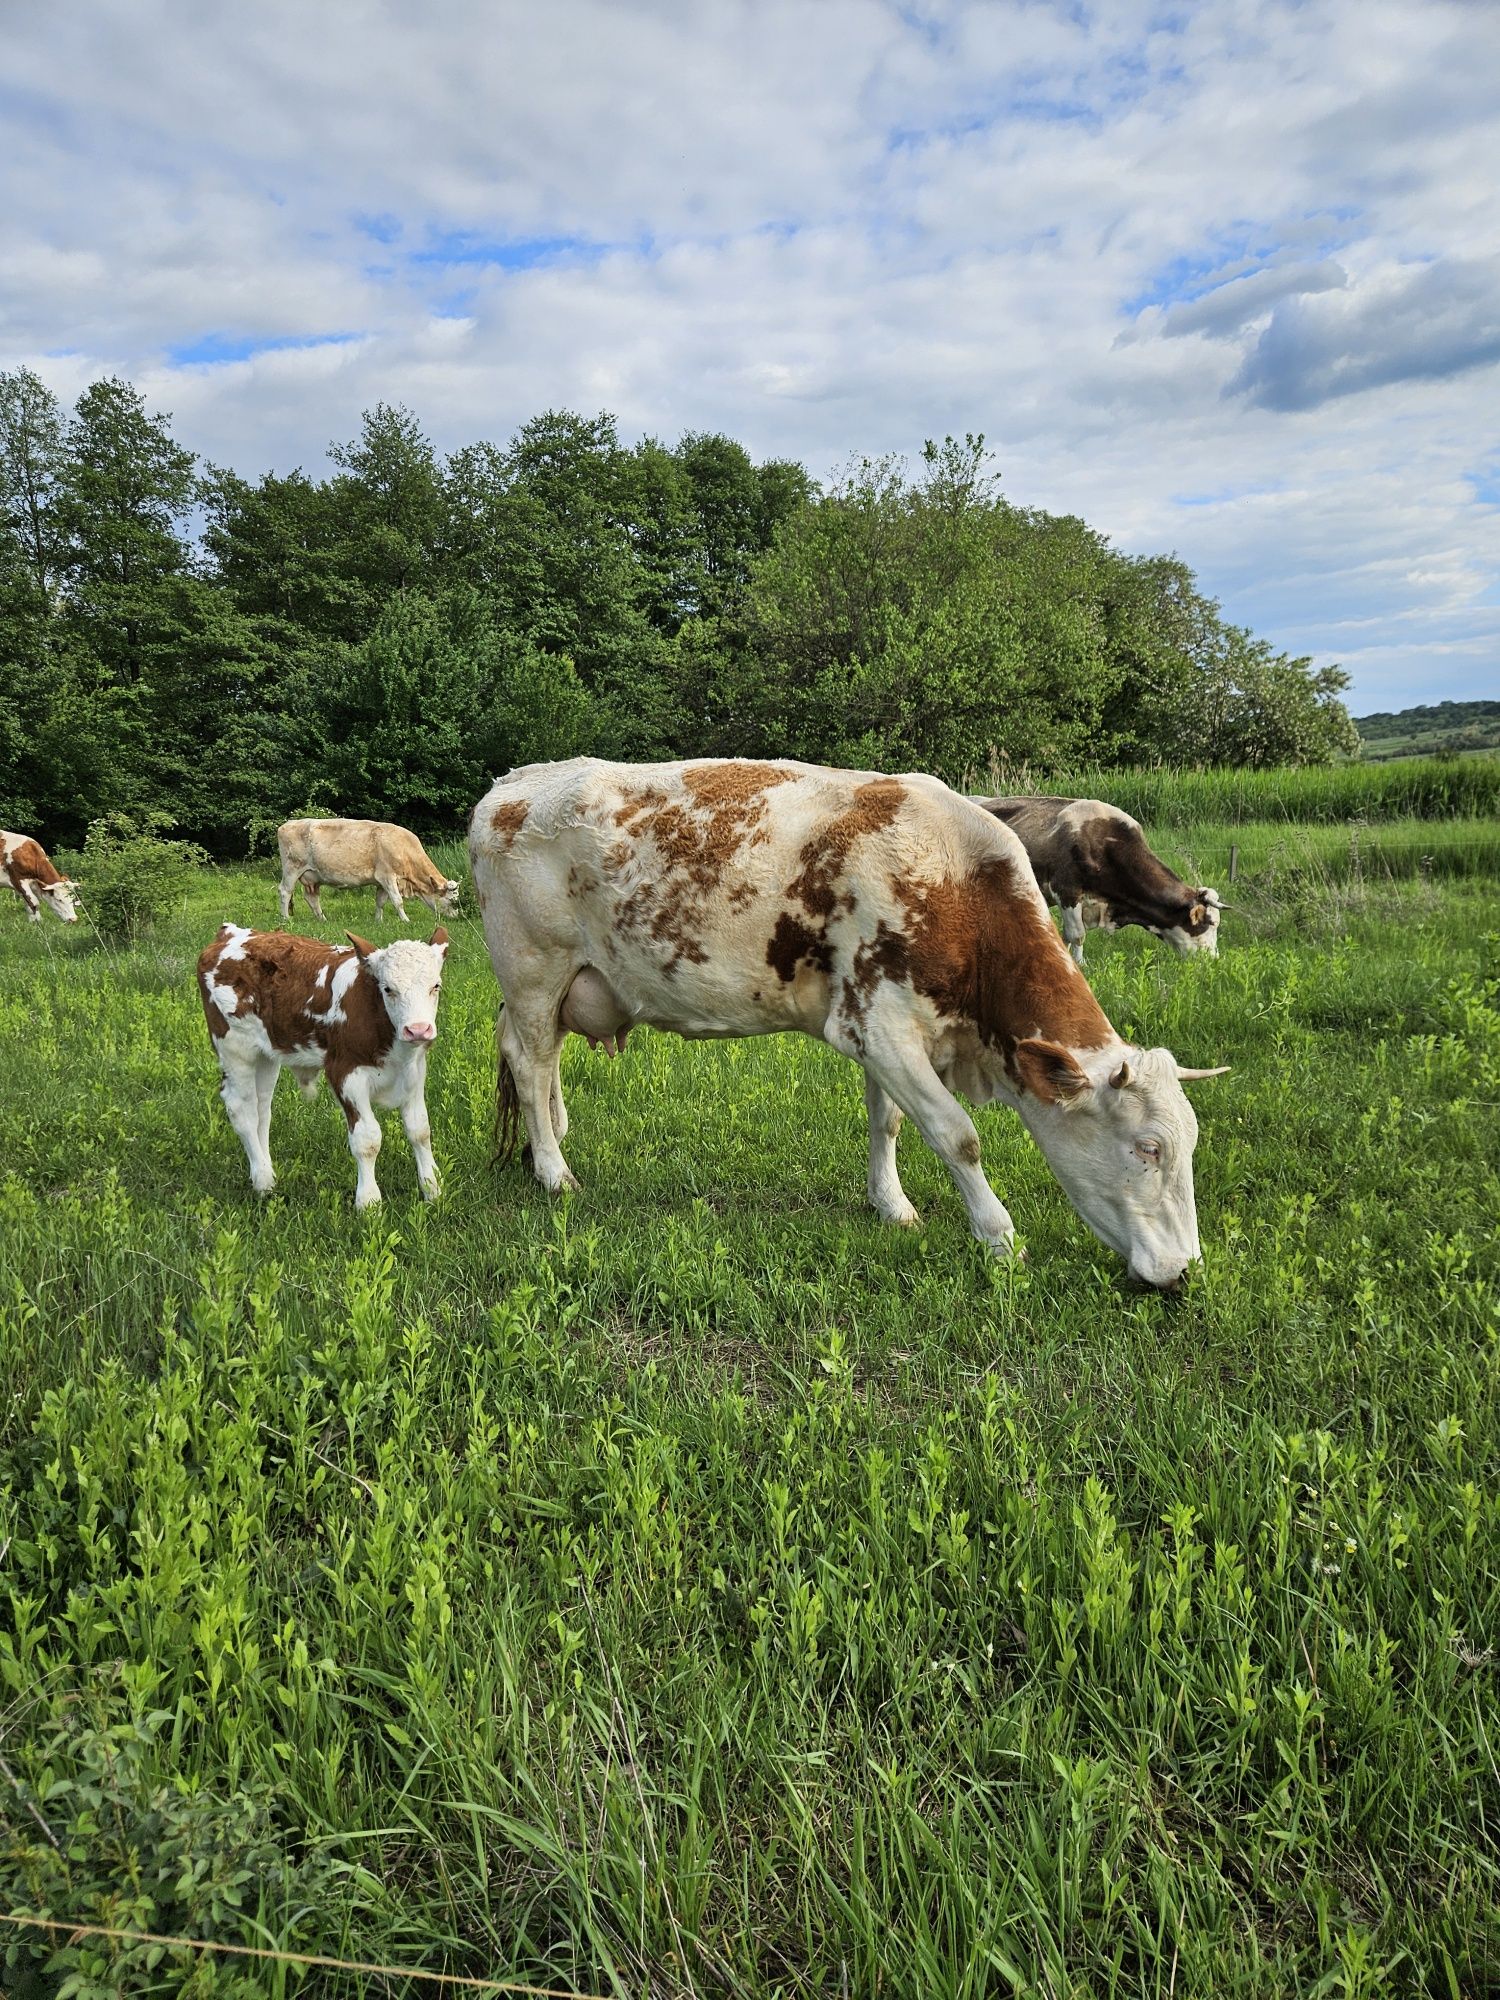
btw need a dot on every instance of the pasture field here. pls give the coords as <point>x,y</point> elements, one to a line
<point>697,1587</point>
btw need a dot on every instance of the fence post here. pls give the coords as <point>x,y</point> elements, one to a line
<point>1234,860</point>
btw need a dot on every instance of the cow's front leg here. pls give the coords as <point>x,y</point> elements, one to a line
<point>312,891</point>
<point>392,890</point>
<point>905,1073</point>
<point>1073,929</point>
<point>364,1136</point>
<point>419,1130</point>
<point>887,1196</point>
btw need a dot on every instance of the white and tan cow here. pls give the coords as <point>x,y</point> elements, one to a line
<point>27,869</point>
<point>887,916</point>
<point>1091,859</point>
<point>354,854</point>
<point>362,1016</point>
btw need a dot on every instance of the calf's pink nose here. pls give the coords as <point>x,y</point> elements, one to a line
<point>419,1031</point>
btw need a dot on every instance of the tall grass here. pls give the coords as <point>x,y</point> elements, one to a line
<point>696,1588</point>
<point>1416,787</point>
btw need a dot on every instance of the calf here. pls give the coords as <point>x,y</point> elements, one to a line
<point>353,853</point>
<point>34,879</point>
<point>361,1016</point>
<point>1083,848</point>
<point>884,915</point>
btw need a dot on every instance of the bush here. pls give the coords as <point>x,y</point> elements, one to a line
<point>132,875</point>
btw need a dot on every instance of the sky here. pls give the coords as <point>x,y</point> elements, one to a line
<point>1224,279</point>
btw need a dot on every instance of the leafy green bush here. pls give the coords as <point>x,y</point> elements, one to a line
<point>132,874</point>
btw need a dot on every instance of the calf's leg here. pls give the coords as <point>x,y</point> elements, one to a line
<point>418,1129</point>
<point>240,1090</point>
<point>364,1135</point>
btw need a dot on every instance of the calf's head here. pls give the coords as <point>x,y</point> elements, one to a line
<point>1119,1133</point>
<point>1196,925</point>
<point>410,978</point>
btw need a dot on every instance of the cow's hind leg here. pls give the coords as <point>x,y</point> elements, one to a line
<point>887,1196</point>
<point>901,1068</point>
<point>556,1104</point>
<point>530,1044</point>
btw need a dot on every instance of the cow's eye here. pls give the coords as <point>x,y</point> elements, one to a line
<point>1149,1150</point>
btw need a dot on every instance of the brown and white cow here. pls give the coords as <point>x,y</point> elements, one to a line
<point>362,1016</point>
<point>29,872</point>
<point>1083,851</point>
<point>886,915</point>
<point>354,853</point>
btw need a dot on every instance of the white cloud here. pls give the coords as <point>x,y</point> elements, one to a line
<point>1226,286</point>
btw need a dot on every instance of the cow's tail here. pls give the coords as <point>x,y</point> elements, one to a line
<point>507,1102</point>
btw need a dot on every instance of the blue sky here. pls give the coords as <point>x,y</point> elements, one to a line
<point>1223,279</point>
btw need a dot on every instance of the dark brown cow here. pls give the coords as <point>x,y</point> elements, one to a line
<point>29,872</point>
<point>362,1017</point>
<point>884,915</point>
<point>1084,851</point>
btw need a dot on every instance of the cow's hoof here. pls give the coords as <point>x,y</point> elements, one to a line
<point>431,1190</point>
<point>566,1183</point>
<point>902,1216</point>
<point>367,1201</point>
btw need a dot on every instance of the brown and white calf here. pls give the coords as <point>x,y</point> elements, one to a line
<point>354,854</point>
<point>887,916</point>
<point>34,879</point>
<point>1083,851</point>
<point>361,1016</point>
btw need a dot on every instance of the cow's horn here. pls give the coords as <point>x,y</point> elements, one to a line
<point>1192,1075</point>
<point>1121,1077</point>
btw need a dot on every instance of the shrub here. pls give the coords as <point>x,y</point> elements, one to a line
<point>132,874</point>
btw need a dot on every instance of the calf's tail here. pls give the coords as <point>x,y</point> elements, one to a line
<point>507,1102</point>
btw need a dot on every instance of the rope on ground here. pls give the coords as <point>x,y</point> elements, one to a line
<point>72,1930</point>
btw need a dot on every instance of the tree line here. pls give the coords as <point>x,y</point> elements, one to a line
<point>188,646</point>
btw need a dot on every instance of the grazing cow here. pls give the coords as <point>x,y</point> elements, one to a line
<point>1083,848</point>
<point>886,915</point>
<point>352,853</point>
<point>34,879</point>
<point>362,1016</point>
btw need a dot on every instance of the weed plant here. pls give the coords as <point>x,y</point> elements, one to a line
<point>696,1587</point>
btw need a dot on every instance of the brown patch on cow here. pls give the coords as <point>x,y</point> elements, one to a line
<point>677,852</point>
<point>794,943</point>
<point>968,1149</point>
<point>507,820</point>
<point>26,862</point>
<point>825,857</point>
<point>985,953</point>
<point>275,982</point>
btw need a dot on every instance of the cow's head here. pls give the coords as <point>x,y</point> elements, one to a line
<point>410,977</point>
<point>1119,1133</point>
<point>1196,927</point>
<point>447,898</point>
<point>59,896</point>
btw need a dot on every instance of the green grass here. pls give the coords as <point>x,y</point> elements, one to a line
<point>698,1588</point>
<point>1412,787</point>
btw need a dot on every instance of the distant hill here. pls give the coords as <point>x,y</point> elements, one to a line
<point>1418,732</point>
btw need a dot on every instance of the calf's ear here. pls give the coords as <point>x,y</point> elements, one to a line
<point>440,938</point>
<point>1050,1072</point>
<point>362,945</point>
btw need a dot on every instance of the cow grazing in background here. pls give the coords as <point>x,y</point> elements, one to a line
<point>1083,849</point>
<point>363,1017</point>
<point>28,871</point>
<point>886,915</point>
<point>354,853</point>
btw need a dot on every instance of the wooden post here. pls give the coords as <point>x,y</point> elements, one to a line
<point>1234,861</point>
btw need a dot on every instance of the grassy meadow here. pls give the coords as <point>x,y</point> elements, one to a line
<point>695,1587</point>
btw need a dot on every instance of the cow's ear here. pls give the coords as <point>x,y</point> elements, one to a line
<point>1050,1072</point>
<point>362,945</point>
<point>440,938</point>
